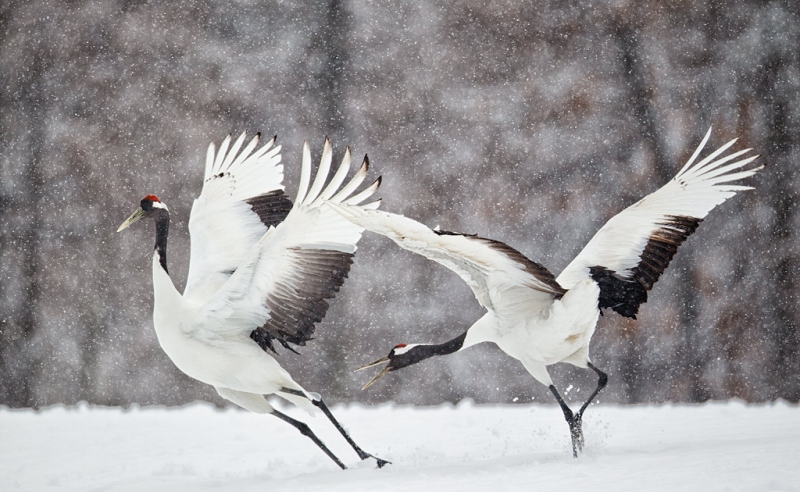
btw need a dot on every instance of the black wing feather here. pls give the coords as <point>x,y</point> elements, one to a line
<point>272,208</point>
<point>294,309</point>
<point>624,293</point>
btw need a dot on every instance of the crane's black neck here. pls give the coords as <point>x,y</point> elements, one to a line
<point>162,231</point>
<point>426,351</point>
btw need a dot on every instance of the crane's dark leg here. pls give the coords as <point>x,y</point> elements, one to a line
<point>361,453</point>
<point>602,381</point>
<point>575,420</point>
<point>306,431</point>
<point>574,424</point>
<point>322,406</point>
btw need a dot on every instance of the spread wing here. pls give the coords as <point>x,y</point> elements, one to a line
<point>279,291</point>
<point>502,279</point>
<point>631,251</point>
<point>242,197</point>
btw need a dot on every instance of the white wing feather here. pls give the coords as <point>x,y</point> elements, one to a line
<point>280,270</point>
<point>501,278</point>
<point>692,193</point>
<point>222,225</point>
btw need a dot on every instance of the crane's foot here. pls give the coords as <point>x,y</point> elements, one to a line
<point>361,453</point>
<point>364,455</point>
<point>576,432</point>
<point>381,463</point>
<point>575,421</point>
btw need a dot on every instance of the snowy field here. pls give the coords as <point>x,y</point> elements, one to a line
<point>717,446</point>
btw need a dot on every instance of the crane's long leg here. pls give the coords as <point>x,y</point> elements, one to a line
<point>574,424</point>
<point>257,404</point>
<point>575,420</point>
<point>322,406</point>
<point>602,381</point>
<point>306,431</point>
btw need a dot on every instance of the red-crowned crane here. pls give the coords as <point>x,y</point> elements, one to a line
<point>260,271</point>
<point>539,319</point>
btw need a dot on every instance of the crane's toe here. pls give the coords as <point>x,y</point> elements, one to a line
<point>381,462</point>
<point>576,432</point>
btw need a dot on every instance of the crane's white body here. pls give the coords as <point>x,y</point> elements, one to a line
<point>560,332</point>
<point>540,320</point>
<point>237,263</point>
<point>226,361</point>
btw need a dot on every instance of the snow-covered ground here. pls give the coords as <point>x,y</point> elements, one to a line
<point>716,446</point>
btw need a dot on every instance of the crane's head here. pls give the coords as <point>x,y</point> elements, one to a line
<point>402,355</point>
<point>148,207</point>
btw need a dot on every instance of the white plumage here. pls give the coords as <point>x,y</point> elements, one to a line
<point>260,271</point>
<point>541,320</point>
<point>693,192</point>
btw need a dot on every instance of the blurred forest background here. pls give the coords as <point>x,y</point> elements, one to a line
<point>527,122</point>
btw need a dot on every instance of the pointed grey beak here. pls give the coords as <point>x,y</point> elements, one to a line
<point>373,364</point>
<point>379,375</point>
<point>135,216</point>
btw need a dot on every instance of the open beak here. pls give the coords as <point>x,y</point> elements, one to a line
<point>135,216</point>
<point>386,369</point>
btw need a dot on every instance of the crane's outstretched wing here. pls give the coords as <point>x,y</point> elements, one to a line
<point>631,251</point>
<point>279,290</point>
<point>242,197</point>
<point>502,278</point>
